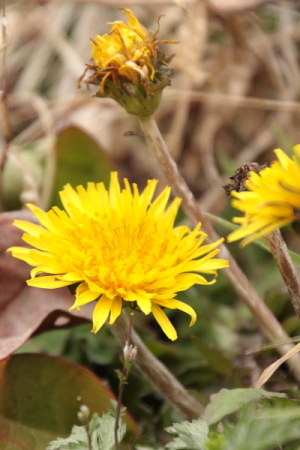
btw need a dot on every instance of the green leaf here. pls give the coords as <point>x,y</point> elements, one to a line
<point>191,435</point>
<point>264,428</point>
<point>98,435</point>
<point>79,160</point>
<point>77,440</point>
<point>229,401</point>
<point>216,360</point>
<point>216,441</point>
<point>104,432</point>
<point>38,400</point>
<point>144,447</point>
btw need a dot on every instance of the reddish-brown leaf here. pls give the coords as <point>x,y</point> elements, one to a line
<point>25,310</point>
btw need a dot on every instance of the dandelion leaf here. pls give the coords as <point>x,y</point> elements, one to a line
<point>77,440</point>
<point>268,427</point>
<point>229,401</point>
<point>98,435</point>
<point>191,435</point>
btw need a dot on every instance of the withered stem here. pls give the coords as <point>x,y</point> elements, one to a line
<point>268,323</point>
<point>287,269</point>
<point>156,372</point>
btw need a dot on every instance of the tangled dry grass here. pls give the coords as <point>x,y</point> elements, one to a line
<point>234,94</point>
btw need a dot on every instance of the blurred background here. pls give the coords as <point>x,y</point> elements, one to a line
<point>234,98</point>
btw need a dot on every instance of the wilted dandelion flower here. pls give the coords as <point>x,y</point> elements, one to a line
<point>271,201</point>
<point>126,51</point>
<point>128,66</point>
<point>120,247</point>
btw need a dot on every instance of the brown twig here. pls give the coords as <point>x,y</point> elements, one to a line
<point>164,382</point>
<point>268,323</point>
<point>287,269</point>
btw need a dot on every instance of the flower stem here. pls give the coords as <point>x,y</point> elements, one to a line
<point>164,382</point>
<point>287,269</point>
<point>268,323</point>
<point>128,352</point>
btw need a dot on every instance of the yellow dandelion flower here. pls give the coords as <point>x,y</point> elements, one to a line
<point>120,247</point>
<point>129,67</point>
<point>271,201</point>
<point>126,51</point>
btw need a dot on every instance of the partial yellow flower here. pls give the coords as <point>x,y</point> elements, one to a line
<point>128,66</point>
<point>126,51</point>
<point>121,247</point>
<point>271,201</point>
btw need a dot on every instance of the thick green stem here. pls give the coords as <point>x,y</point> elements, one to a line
<point>268,323</point>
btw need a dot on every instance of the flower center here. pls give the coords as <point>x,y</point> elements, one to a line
<point>123,257</point>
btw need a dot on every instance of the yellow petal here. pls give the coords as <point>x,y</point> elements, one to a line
<point>45,269</point>
<point>283,158</point>
<point>213,265</point>
<point>114,190</point>
<point>75,277</point>
<point>186,280</point>
<point>47,282</point>
<point>177,304</point>
<point>135,24</point>
<point>147,195</point>
<point>144,305</point>
<point>36,242</point>
<point>31,228</point>
<point>83,296</point>
<point>42,216</point>
<point>164,322</point>
<point>22,253</point>
<point>116,309</point>
<point>101,313</point>
<point>159,205</point>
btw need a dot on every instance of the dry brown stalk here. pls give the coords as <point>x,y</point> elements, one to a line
<point>287,269</point>
<point>268,323</point>
<point>164,382</point>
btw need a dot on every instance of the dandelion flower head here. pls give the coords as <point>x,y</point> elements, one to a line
<point>129,51</point>
<point>121,247</point>
<point>271,201</point>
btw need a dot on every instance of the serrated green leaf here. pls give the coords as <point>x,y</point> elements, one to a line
<point>229,401</point>
<point>191,435</point>
<point>98,436</point>
<point>265,428</point>
<point>78,439</point>
<point>102,430</point>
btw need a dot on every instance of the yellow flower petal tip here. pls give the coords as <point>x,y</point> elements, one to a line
<point>128,67</point>
<point>272,199</point>
<point>119,246</point>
